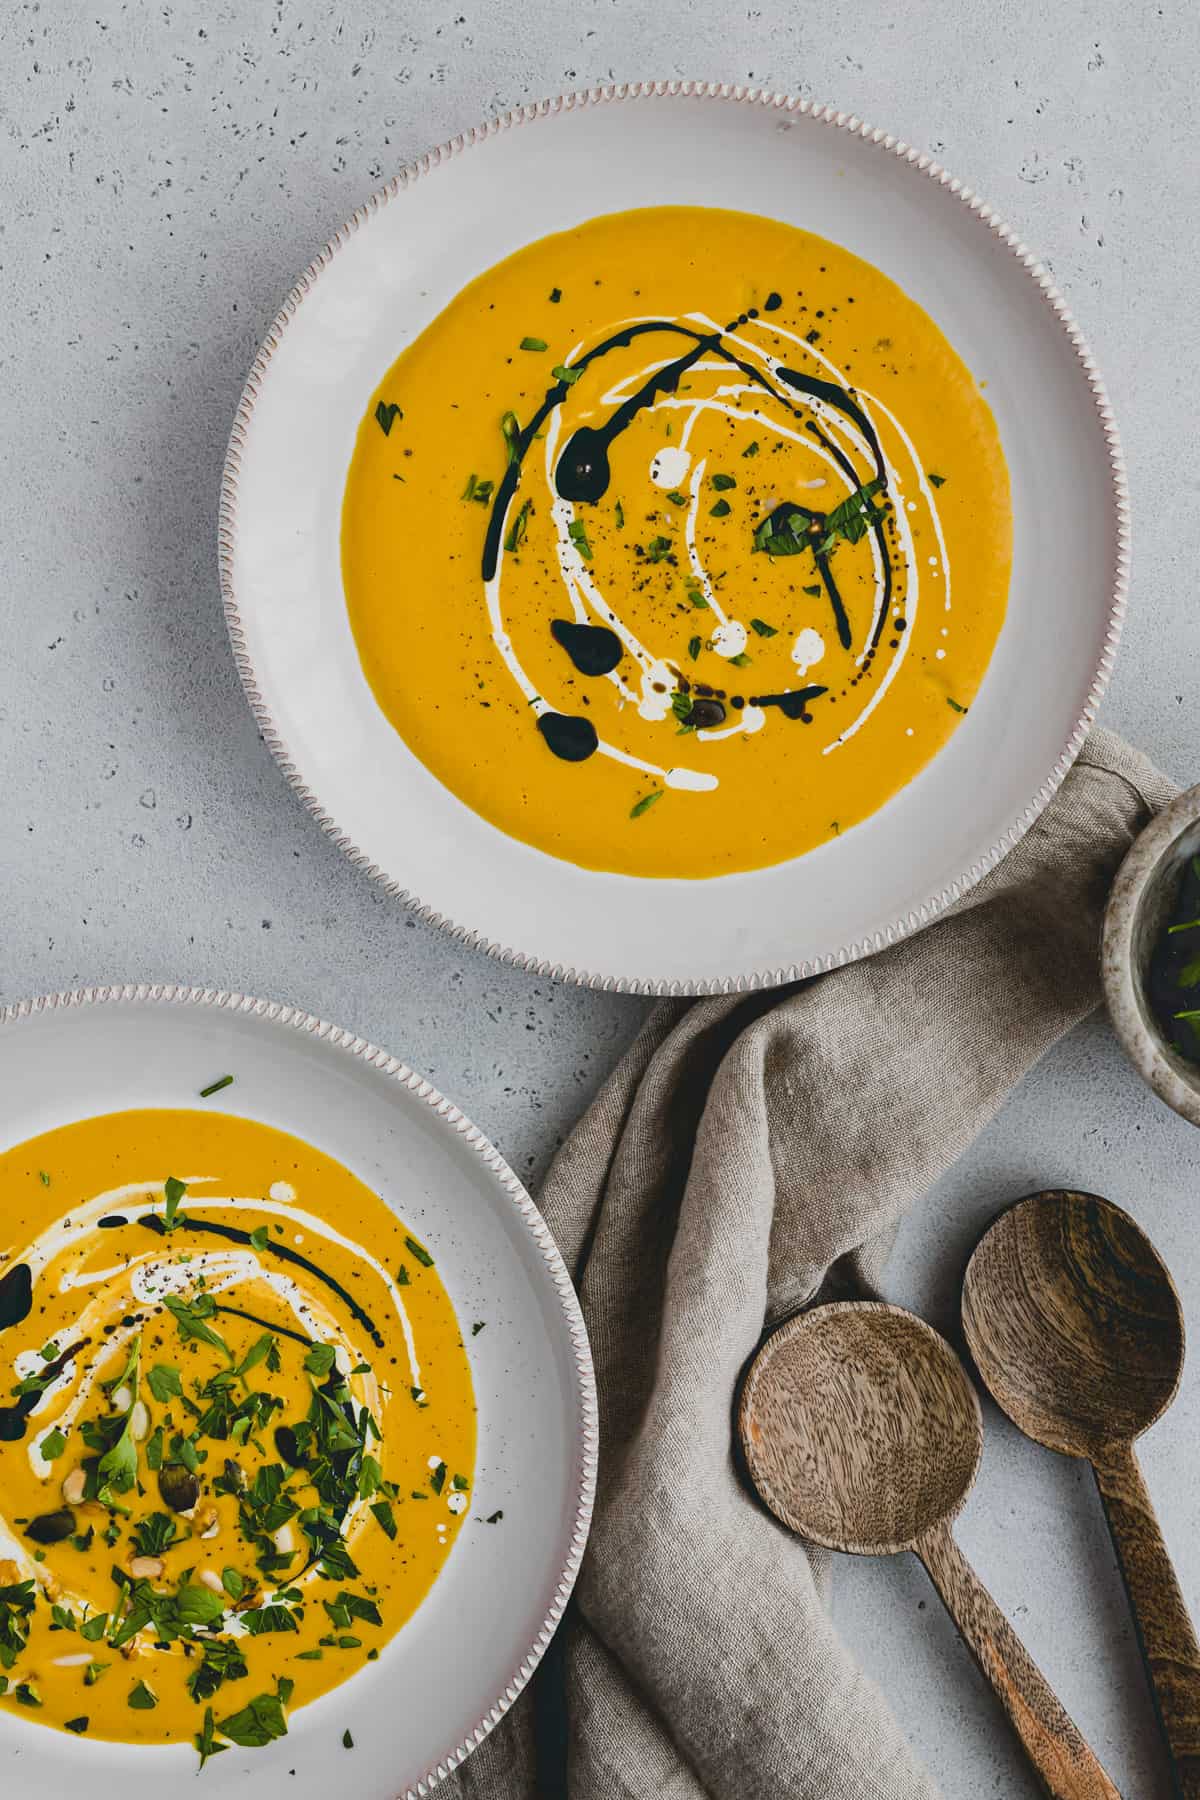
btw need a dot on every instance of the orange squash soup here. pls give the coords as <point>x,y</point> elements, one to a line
<point>677,543</point>
<point>237,1428</point>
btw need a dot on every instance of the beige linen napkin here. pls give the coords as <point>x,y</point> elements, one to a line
<point>742,1151</point>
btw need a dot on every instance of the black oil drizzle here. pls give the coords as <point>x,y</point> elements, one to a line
<point>285,1253</point>
<point>582,475</point>
<point>13,1418</point>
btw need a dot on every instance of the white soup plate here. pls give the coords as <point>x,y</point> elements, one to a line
<point>392,268</point>
<point>447,1676</point>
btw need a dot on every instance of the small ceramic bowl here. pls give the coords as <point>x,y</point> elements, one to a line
<point>1138,907</point>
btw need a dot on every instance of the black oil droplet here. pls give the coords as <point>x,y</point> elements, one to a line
<point>573,739</point>
<point>582,470</point>
<point>773,302</point>
<point>16,1295</point>
<point>594,649</point>
<point>111,1221</point>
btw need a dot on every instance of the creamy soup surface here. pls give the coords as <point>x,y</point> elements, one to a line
<point>237,1427</point>
<point>677,543</point>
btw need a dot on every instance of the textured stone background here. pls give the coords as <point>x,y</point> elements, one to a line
<point>163,179</point>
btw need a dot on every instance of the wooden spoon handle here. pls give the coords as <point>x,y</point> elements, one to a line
<point>1168,1639</point>
<point>1065,1766</point>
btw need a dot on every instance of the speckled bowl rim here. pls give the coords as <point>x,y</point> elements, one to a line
<point>458,1125</point>
<point>1122,986</point>
<point>826,115</point>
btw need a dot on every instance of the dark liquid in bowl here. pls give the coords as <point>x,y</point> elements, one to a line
<point>1173,977</point>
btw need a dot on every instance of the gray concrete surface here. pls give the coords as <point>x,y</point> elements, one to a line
<point>164,172</point>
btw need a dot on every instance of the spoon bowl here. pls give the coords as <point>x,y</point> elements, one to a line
<point>861,1428</point>
<point>1074,1322</point>
<point>862,1433</point>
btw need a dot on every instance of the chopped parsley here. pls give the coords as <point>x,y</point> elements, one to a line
<point>52,1445</point>
<point>751,448</point>
<point>561,372</point>
<point>577,532</point>
<point>619,515</point>
<point>694,647</point>
<point>761,627</point>
<point>658,548</point>
<point>142,1698</point>
<point>534,343</point>
<point>386,415</point>
<point>719,509</point>
<point>347,1741</point>
<point>723,482</point>
<point>955,705</point>
<point>937,480</point>
<point>214,1087</point>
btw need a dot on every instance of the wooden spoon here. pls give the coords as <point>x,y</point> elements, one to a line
<point>1075,1326</point>
<point>862,1433</point>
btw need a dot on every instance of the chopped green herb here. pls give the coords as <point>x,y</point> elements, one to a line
<point>382,1513</point>
<point>658,548</point>
<point>310,1656</point>
<point>93,1629</point>
<point>510,426</point>
<point>955,705</point>
<point>555,296</point>
<point>190,1317</point>
<point>164,1382</point>
<point>347,1741</point>
<point>532,343</point>
<point>78,1726</point>
<point>696,596</point>
<point>853,517</point>
<point>694,647</point>
<point>233,1583</point>
<point>259,1722</point>
<point>48,1352</point>
<point>174,1191</point>
<point>741,661</point>
<point>205,1741</point>
<point>676,498</point>
<point>260,1237</point>
<point>762,628</point>
<point>493,1518</point>
<point>577,532</point>
<point>815,589</point>
<point>386,416</point>
<point>437,1478</point>
<point>418,1250</point>
<point>154,1533</point>
<point>44,1178</point>
<point>402,1276</point>
<point>719,509</point>
<point>751,448</point>
<point>518,528</point>
<point>142,1698</point>
<point>93,1672</point>
<point>214,1087</point>
<point>562,373</point>
<point>937,480</point>
<point>478,1326</point>
<point>320,1360</point>
<point>460,1483</point>
<point>645,803</point>
<point>53,1445</point>
<point>723,482</point>
<point>619,515</point>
